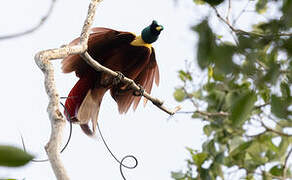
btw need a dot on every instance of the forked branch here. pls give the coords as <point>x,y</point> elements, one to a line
<point>57,120</point>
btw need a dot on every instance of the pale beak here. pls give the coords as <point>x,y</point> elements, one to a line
<point>159,28</point>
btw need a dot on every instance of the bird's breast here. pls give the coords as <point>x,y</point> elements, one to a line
<point>138,41</point>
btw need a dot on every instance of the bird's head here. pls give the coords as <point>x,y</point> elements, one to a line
<point>150,33</point>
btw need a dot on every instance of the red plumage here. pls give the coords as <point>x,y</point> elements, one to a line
<point>112,49</point>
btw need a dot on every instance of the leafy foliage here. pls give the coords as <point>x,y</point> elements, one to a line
<point>13,157</point>
<point>249,85</point>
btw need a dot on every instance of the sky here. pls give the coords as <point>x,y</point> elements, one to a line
<point>158,142</point>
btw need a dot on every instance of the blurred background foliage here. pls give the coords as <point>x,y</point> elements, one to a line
<point>11,156</point>
<point>245,102</point>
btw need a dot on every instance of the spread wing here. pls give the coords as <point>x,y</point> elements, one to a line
<point>145,78</point>
<point>101,41</point>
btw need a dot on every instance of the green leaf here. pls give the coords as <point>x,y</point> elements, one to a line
<point>215,99</point>
<point>210,72</point>
<point>216,171</point>
<point>13,157</point>
<point>287,13</point>
<point>287,45</point>
<point>197,94</point>
<point>235,142</point>
<point>277,170</point>
<point>219,158</point>
<point>208,130</point>
<point>285,90</point>
<point>242,147</point>
<point>206,44</point>
<point>261,6</point>
<point>214,2</point>
<point>283,148</point>
<point>255,152</point>
<point>200,158</point>
<point>209,147</point>
<point>204,174</point>
<point>218,75</point>
<point>223,58</point>
<point>178,175</point>
<point>199,2</point>
<point>279,106</point>
<point>179,95</point>
<point>266,176</point>
<point>265,94</point>
<point>184,75</point>
<point>242,108</point>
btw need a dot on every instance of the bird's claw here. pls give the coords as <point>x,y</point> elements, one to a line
<point>118,78</point>
<point>140,92</point>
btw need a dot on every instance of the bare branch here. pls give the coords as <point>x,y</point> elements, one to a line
<point>42,59</point>
<point>205,114</point>
<point>228,11</point>
<point>34,28</point>
<point>240,31</point>
<point>241,12</point>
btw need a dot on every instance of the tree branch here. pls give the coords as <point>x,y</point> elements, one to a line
<point>98,67</point>
<point>34,28</point>
<point>42,59</point>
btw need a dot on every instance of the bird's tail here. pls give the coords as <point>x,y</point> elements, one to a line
<point>83,102</point>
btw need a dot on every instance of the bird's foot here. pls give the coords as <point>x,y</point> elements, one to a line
<point>140,92</point>
<point>118,78</point>
<point>74,119</point>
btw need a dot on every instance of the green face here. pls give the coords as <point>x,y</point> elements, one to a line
<point>150,33</point>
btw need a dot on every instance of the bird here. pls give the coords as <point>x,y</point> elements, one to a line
<point>124,52</point>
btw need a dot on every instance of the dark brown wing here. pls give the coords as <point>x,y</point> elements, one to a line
<point>145,78</point>
<point>101,41</point>
<point>74,62</point>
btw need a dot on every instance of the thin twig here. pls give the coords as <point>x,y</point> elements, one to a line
<point>262,105</point>
<point>204,113</point>
<point>42,59</point>
<point>241,12</point>
<point>228,11</point>
<point>34,28</point>
<point>285,167</point>
<point>190,97</point>
<point>275,131</point>
<point>240,31</point>
<point>267,174</point>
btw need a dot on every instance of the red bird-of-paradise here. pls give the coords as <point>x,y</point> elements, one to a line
<point>124,52</point>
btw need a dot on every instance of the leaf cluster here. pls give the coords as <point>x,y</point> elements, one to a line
<point>249,83</point>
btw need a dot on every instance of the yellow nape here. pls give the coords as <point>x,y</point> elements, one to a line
<point>138,41</point>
